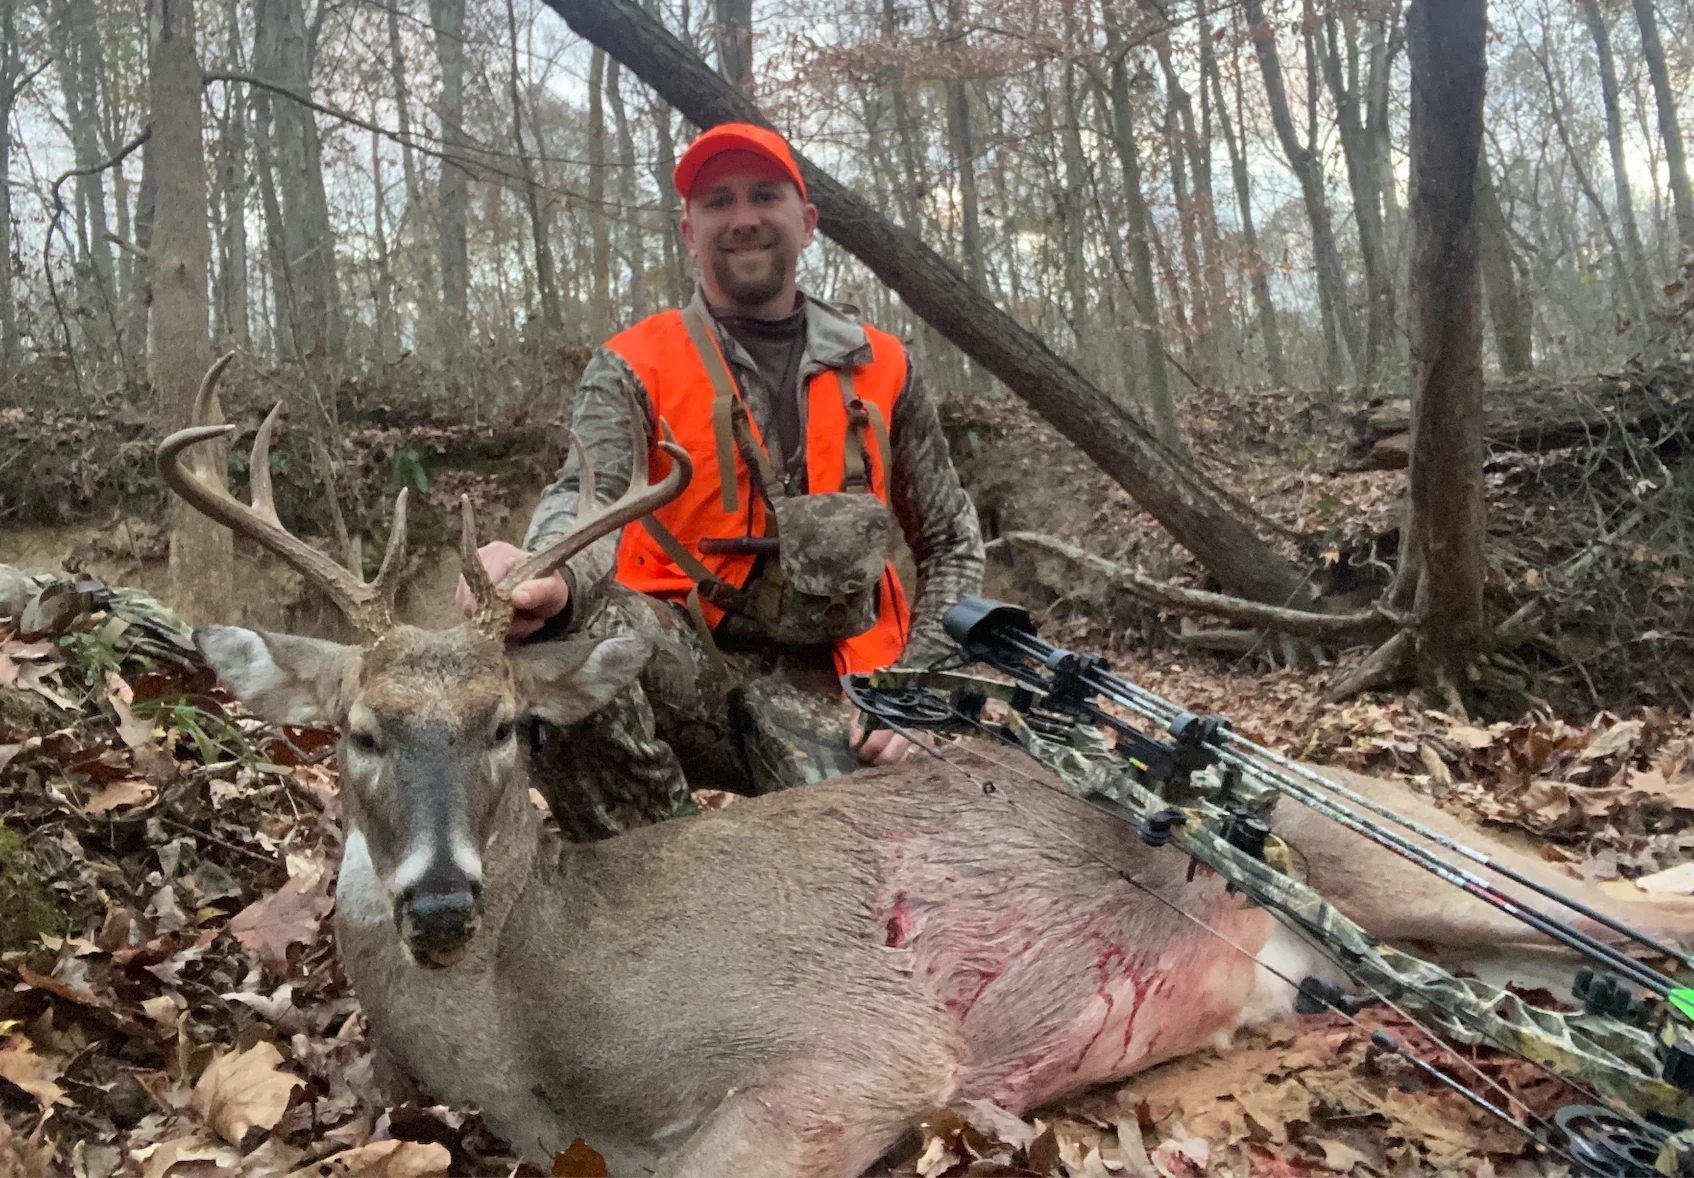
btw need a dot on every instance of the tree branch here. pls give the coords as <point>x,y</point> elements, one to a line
<point>1365,625</point>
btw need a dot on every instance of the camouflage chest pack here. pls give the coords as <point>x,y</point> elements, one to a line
<point>822,554</point>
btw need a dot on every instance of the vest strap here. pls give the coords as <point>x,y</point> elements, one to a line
<point>679,554</point>
<point>724,400</point>
<point>855,454</point>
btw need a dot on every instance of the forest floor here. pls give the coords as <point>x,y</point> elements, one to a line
<point>172,1004</point>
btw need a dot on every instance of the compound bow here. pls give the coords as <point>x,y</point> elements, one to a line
<point>1210,792</point>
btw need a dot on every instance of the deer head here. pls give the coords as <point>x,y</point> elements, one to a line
<point>427,719</point>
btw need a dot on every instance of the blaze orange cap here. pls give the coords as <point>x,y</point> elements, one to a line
<point>735,137</point>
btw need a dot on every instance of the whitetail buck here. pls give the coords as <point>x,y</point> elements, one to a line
<point>784,987</point>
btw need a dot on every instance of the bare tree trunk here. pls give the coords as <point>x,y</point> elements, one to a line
<point>447,20</point>
<point>11,70</point>
<point>1164,481</point>
<point>670,208</point>
<point>1196,344</point>
<point>1628,293</point>
<point>1669,130</point>
<point>1258,276</point>
<point>634,242</point>
<point>316,325</point>
<point>1145,293</point>
<point>1332,285</point>
<point>1507,307</point>
<point>1360,156</point>
<point>1447,509</point>
<point>544,278</point>
<point>1614,140</point>
<point>735,42</point>
<point>80,62</point>
<point>961,133</point>
<point>386,328</point>
<point>419,253</point>
<point>1076,288</point>
<point>1211,291</point>
<point>202,558</point>
<point>232,227</point>
<point>600,301</point>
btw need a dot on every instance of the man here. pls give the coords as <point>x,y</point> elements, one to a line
<point>793,413</point>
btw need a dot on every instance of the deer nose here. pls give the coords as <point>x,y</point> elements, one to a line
<point>437,925</point>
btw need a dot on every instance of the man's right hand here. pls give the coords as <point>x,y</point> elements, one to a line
<point>536,600</point>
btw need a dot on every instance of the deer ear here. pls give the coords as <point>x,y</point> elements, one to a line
<point>562,682</point>
<point>282,678</point>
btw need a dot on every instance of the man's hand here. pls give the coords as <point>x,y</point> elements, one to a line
<point>884,746</point>
<point>536,600</point>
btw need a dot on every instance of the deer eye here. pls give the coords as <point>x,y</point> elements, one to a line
<point>503,731</point>
<point>365,742</point>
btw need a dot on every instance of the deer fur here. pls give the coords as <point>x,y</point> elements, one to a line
<point>789,985</point>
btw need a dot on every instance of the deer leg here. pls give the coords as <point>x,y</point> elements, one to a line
<point>762,1131</point>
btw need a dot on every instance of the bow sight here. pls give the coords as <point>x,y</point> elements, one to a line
<point>1192,782</point>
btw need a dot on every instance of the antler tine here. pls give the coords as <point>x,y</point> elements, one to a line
<point>585,488</point>
<point>493,615</point>
<point>641,498</point>
<point>259,466</point>
<point>393,556</point>
<point>362,604</point>
<point>208,385</point>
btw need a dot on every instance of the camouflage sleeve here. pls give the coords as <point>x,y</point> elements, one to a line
<point>937,517</point>
<point>600,421</point>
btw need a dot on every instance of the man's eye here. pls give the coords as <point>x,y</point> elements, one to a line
<point>363,741</point>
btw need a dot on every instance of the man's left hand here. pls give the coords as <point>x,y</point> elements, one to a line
<point>883,746</point>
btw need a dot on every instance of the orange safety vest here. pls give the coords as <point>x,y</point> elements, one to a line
<point>720,501</point>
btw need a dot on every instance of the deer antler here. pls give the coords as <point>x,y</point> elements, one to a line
<point>494,602</point>
<point>369,607</point>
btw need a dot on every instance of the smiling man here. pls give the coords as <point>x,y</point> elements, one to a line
<point>813,440</point>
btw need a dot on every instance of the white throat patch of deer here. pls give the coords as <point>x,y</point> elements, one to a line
<point>784,987</point>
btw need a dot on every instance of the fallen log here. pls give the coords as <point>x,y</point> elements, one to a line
<point>1536,416</point>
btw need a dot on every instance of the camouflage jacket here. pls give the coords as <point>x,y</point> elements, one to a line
<point>934,513</point>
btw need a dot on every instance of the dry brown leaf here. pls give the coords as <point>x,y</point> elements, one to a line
<point>1272,1106</point>
<point>243,1090</point>
<point>580,1161</point>
<point>291,915</point>
<point>1468,737</point>
<point>25,1155</point>
<point>129,792</point>
<point>152,760</point>
<point>1338,1155</point>
<point>389,1159</point>
<point>1620,737</point>
<point>161,1156</point>
<point>1673,881</point>
<point>33,1074</point>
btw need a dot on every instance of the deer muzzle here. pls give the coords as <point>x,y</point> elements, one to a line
<point>437,924</point>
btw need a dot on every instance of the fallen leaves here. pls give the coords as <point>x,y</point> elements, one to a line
<point>383,1159</point>
<point>243,1090</point>
<point>292,915</point>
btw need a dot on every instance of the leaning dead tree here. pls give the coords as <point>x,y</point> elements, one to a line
<point>1169,486</point>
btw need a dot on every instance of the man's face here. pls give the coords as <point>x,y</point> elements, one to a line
<point>745,223</point>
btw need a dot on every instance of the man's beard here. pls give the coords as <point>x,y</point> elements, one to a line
<point>755,290</point>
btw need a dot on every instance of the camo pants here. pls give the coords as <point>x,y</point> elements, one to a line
<point>748,721</point>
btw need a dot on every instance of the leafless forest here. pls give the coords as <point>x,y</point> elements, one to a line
<point>445,203</point>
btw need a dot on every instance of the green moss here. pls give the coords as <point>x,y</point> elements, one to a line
<point>27,905</point>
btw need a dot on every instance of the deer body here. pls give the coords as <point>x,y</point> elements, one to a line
<point>844,959</point>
